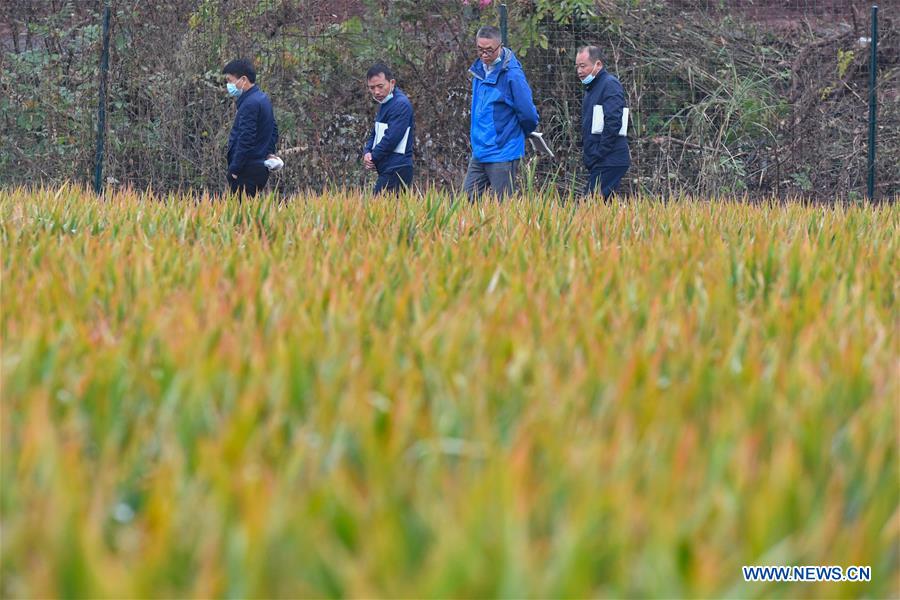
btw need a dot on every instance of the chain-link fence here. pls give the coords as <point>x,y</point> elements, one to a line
<point>753,97</point>
<point>759,97</point>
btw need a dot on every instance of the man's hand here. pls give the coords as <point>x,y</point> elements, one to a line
<point>233,176</point>
<point>367,161</point>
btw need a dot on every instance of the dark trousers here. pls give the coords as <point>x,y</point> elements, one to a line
<point>394,181</point>
<point>608,178</point>
<point>500,177</point>
<point>251,180</point>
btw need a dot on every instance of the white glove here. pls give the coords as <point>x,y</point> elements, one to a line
<point>274,163</point>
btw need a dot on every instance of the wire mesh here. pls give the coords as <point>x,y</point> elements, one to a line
<point>754,97</point>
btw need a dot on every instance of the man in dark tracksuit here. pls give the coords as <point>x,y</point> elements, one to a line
<point>254,132</point>
<point>604,123</point>
<point>389,149</point>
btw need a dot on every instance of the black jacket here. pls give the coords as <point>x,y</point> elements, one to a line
<point>605,140</point>
<point>254,133</point>
<point>391,140</point>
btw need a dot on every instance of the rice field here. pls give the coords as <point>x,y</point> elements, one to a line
<point>337,396</point>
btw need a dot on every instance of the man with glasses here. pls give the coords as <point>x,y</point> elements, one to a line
<point>503,114</point>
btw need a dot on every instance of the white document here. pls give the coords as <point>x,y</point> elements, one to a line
<point>401,147</point>
<point>597,120</point>
<point>381,129</point>
<point>541,144</point>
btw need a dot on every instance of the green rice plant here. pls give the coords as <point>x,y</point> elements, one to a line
<point>338,395</point>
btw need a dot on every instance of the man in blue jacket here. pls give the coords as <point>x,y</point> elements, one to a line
<point>604,123</point>
<point>254,132</point>
<point>503,114</point>
<point>389,149</point>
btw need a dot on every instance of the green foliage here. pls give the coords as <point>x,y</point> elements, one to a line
<point>531,20</point>
<point>844,60</point>
<point>712,98</point>
<point>48,97</point>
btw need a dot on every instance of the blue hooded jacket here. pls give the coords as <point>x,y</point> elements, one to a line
<point>503,111</point>
<point>395,132</point>
<point>254,133</point>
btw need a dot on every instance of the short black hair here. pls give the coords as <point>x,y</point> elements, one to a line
<point>377,69</point>
<point>489,32</point>
<point>241,68</point>
<point>594,53</point>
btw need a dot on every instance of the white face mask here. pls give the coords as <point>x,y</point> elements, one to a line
<point>386,98</point>
<point>590,77</point>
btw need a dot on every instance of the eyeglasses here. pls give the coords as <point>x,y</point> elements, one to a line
<point>487,51</point>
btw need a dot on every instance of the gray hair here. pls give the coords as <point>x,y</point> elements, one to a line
<point>594,53</point>
<point>489,32</point>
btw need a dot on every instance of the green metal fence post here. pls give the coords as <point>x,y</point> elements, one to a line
<point>873,101</point>
<point>101,105</point>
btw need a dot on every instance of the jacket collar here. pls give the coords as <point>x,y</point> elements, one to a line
<point>249,92</point>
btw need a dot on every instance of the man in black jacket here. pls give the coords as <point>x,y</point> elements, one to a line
<point>389,148</point>
<point>604,123</point>
<point>254,133</point>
